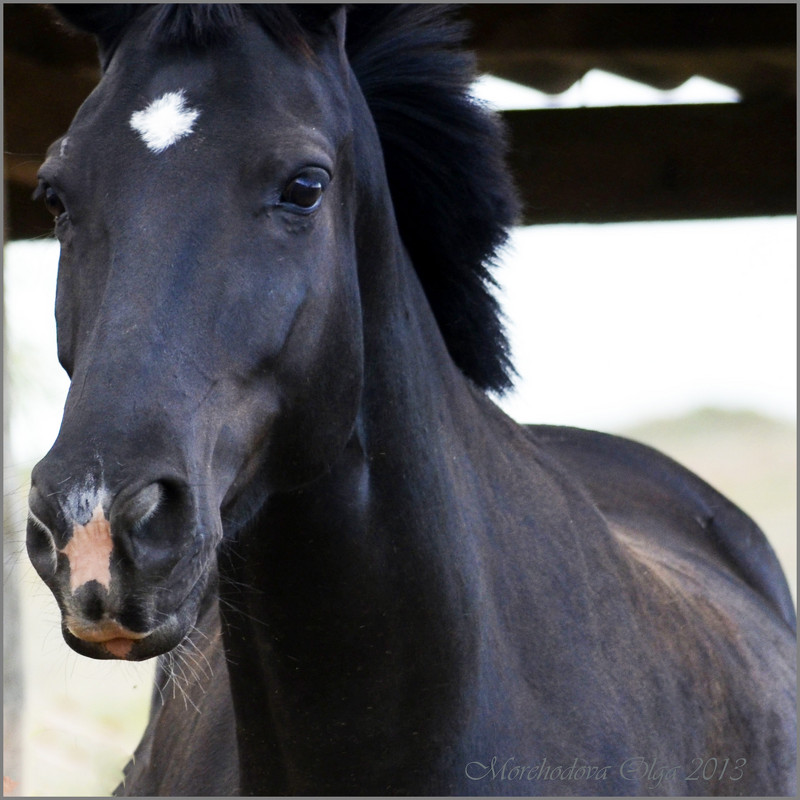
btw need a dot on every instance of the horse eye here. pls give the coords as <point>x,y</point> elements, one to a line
<point>304,192</point>
<point>52,201</point>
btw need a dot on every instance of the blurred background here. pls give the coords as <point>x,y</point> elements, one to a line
<point>651,292</point>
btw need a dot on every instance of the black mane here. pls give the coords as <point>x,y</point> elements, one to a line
<point>444,152</point>
<point>444,155</point>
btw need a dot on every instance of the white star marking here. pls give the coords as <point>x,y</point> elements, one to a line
<point>165,121</point>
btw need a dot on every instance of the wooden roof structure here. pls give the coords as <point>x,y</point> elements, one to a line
<point>629,163</point>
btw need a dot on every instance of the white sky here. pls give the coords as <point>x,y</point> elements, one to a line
<point>615,324</point>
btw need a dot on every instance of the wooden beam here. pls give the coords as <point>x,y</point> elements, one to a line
<point>750,46</point>
<point>574,165</point>
<point>655,162</point>
<point>612,26</point>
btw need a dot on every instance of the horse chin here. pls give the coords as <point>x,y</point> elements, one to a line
<point>124,648</point>
<point>113,641</point>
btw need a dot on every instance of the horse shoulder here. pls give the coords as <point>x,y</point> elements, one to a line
<point>653,498</point>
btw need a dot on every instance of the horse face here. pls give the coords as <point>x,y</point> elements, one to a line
<point>208,316</point>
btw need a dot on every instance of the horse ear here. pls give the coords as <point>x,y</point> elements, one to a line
<point>104,21</point>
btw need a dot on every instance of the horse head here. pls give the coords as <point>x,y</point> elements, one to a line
<point>207,308</point>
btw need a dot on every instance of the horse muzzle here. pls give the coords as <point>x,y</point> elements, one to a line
<point>128,568</point>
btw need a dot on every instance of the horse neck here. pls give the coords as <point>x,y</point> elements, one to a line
<point>359,581</point>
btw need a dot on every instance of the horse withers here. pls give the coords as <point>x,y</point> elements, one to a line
<point>278,451</point>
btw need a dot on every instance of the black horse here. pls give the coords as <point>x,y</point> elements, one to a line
<point>279,458</point>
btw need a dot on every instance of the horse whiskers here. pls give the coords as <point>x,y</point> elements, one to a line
<point>239,611</point>
<point>157,684</point>
<point>16,557</point>
<point>230,582</point>
<point>198,658</point>
<point>177,676</point>
<point>194,629</point>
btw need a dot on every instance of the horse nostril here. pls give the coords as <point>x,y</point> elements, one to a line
<point>40,511</point>
<point>146,523</point>
<point>40,538</point>
<point>132,512</point>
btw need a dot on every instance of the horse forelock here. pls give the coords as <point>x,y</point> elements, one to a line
<point>201,25</point>
<point>190,25</point>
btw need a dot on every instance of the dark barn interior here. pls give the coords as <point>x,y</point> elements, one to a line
<point>598,165</point>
